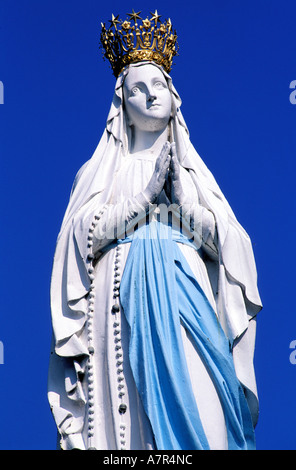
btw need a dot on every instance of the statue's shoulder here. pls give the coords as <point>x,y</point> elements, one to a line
<point>78,175</point>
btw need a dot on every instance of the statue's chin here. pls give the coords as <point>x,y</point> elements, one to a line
<point>152,123</point>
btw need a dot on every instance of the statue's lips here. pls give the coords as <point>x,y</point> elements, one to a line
<point>153,106</point>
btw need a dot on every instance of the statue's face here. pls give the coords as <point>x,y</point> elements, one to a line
<point>147,98</point>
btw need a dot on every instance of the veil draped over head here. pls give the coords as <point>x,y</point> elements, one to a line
<point>234,274</point>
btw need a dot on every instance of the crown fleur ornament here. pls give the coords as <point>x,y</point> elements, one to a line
<point>137,39</point>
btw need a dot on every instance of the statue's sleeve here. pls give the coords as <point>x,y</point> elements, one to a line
<point>201,224</point>
<point>117,220</point>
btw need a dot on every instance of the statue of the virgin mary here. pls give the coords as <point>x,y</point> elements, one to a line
<point>154,287</point>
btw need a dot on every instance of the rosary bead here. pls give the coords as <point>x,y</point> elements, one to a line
<point>122,408</point>
<point>115,308</point>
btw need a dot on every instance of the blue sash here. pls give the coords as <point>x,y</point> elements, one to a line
<point>157,292</point>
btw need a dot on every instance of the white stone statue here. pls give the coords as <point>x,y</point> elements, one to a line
<point>154,292</point>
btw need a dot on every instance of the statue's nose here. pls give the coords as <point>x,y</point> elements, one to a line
<point>151,96</point>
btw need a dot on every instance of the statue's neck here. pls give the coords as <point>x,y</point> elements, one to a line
<point>149,142</point>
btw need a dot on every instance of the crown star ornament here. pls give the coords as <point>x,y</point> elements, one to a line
<point>136,39</point>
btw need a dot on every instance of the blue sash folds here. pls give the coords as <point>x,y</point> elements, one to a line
<point>158,292</point>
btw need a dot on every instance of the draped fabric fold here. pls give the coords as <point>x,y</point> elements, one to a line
<point>158,293</point>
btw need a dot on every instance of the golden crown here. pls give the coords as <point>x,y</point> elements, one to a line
<point>126,42</point>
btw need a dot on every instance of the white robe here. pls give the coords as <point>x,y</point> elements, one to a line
<point>131,430</point>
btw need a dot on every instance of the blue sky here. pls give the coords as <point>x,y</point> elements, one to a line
<point>235,65</point>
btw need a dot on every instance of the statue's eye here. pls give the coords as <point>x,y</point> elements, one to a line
<point>159,85</point>
<point>135,90</point>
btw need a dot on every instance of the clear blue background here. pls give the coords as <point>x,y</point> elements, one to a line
<point>236,62</point>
